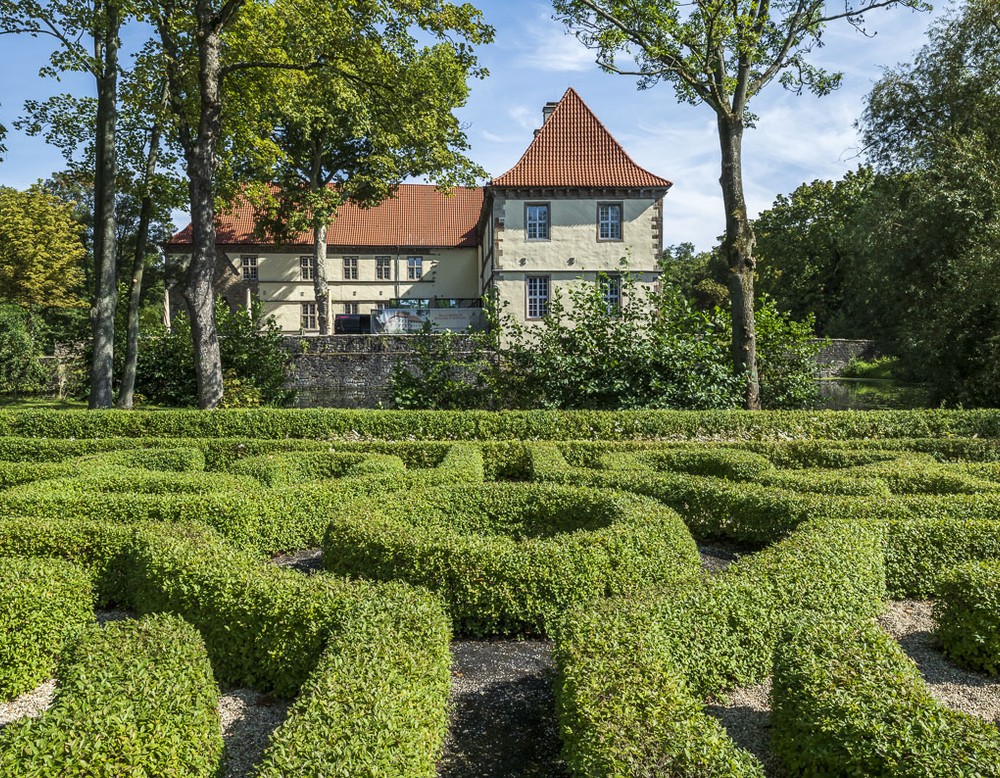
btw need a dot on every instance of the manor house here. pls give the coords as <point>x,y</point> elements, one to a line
<point>570,211</point>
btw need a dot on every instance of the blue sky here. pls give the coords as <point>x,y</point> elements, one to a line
<point>533,60</point>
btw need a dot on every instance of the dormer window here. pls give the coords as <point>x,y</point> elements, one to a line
<point>609,221</point>
<point>536,221</point>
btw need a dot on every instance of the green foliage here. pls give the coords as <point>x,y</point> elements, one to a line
<point>881,368</point>
<point>509,558</point>
<point>440,379</point>
<point>40,250</point>
<point>967,613</point>
<point>20,348</point>
<point>43,602</point>
<point>134,698</point>
<point>848,701</point>
<point>256,365</point>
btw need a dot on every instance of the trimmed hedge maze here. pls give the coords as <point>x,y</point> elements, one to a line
<point>570,526</point>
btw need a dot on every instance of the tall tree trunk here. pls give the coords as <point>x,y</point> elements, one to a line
<point>105,239</point>
<point>127,389</point>
<point>320,284</point>
<point>199,286</point>
<point>738,251</point>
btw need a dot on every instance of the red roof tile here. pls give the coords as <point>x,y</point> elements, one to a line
<point>573,149</point>
<point>418,216</point>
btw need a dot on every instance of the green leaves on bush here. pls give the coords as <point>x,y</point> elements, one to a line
<point>967,613</point>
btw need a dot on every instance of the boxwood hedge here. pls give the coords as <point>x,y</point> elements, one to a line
<point>967,613</point>
<point>134,698</point>
<point>846,700</point>
<point>43,602</point>
<point>508,557</point>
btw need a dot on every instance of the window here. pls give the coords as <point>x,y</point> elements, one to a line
<point>383,306</point>
<point>383,268</point>
<point>248,264</point>
<point>309,319</point>
<point>538,296</point>
<point>350,268</point>
<point>414,268</point>
<point>611,291</point>
<point>307,268</point>
<point>536,221</point>
<point>350,308</point>
<point>609,221</point>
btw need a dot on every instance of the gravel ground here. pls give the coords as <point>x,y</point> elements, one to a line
<point>308,560</point>
<point>746,715</point>
<point>717,555</point>
<point>33,703</point>
<point>248,719</point>
<point>910,622</point>
<point>503,722</point>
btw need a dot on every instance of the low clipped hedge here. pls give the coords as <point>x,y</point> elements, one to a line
<point>967,613</point>
<point>319,424</point>
<point>846,700</point>
<point>134,698</point>
<point>43,602</point>
<point>508,557</point>
<point>633,672</point>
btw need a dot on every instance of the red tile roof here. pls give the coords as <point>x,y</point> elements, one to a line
<point>418,216</point>
<point>573,149</point>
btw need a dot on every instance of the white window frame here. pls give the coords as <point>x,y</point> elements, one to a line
<point>351,309</point>
<point>309,318</point>
<point>537,221</point>
<point>537,294</point>
<point>383,306</point>
<point>414,268</point>
<point>383,268</point>
<point>611,290</point>
<point>609,221</point>
<point>307,267</point>
<point>248,267</point>
<point>350,268</point>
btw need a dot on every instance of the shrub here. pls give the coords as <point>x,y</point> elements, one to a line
<point>134,698</point>
<point>21,372</point>
<point>967,613</point>
<point>846,700</point>
<point>43,602</point>
<point>508,557</point>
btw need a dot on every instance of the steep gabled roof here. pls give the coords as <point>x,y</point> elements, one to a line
<point>418,216</point>
<point>573,149</point>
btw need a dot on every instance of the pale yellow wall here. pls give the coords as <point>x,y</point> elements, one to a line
<point>573,243</point>
<point>447,273</point>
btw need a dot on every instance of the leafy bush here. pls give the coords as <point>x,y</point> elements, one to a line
<point>134,698</point>
<point>449,372</point>
<point>967,613</point>
<point>250,345</point>
<point>846,700</point>
<point>43,602</point>
<point>510,557</point>
<point>21,372</point>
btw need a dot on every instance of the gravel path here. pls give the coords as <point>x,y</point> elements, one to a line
<point>33,703</point>
<point>717,555</point>
<point>503,722</point>
<point>746,715</point>
<point>308,560</point>
<point>911,623</point>
<point>248,719</point>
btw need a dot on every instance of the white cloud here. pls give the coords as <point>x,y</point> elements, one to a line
<point>558,53</point>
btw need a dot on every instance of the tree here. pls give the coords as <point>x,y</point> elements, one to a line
<point>353,136</point>
<point>40,250</point>
<point>204,73</point>
<point>721,53</point>
<point>808,264</point>
<point>75,26</point>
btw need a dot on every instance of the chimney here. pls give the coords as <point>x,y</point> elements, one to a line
<point>547,110</point>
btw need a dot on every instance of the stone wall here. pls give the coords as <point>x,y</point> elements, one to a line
<point>836,354</point>
<point>350,371</point>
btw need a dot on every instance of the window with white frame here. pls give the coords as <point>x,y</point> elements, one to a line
<point>309,321</point>
<point>383,268</point>
<point>538,296</point>
<point>248,266</point>
<point>611,291</point>
<point>414,268</point>
<point>307,268</point>
<point>536,221</point>
<point>609,221</point>
<point>383,306</point>
<point>350,307</point>
<point>350,268</point>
